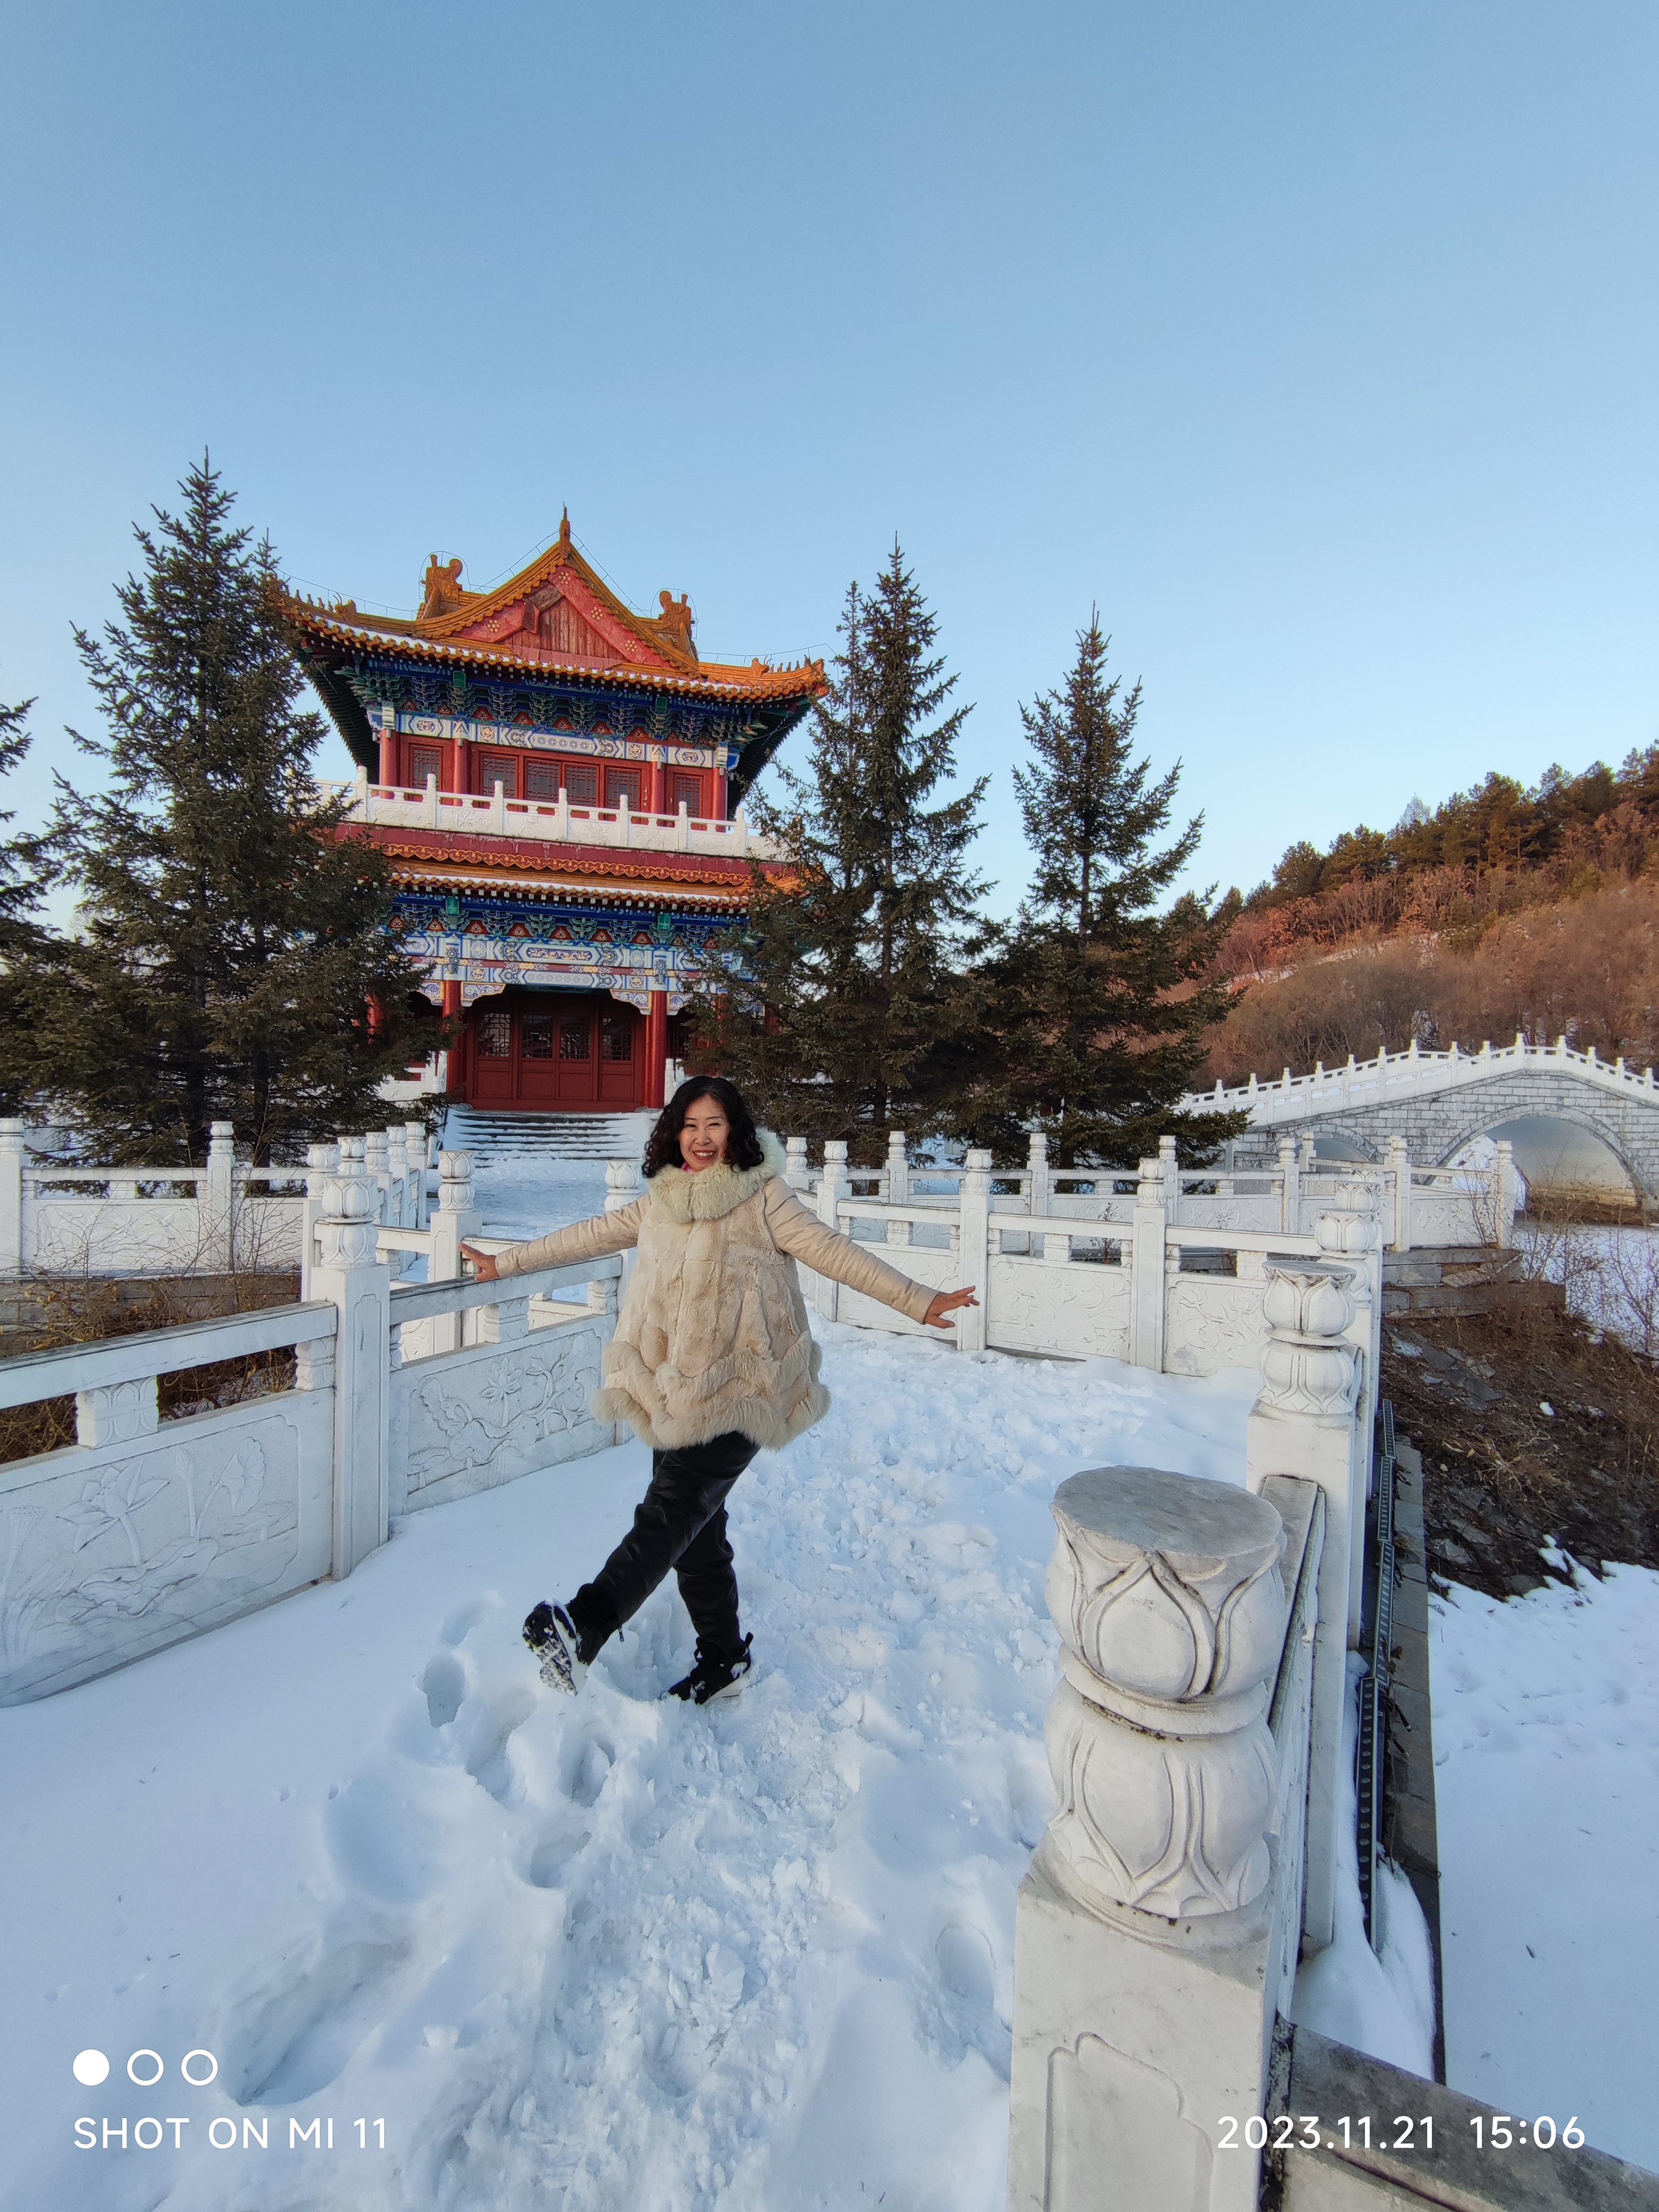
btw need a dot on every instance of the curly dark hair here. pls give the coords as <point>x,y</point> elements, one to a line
<point>743,1146</point>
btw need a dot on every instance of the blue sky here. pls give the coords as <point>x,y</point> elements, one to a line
<point>1314,343</point>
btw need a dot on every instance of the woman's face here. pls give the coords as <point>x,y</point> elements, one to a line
<point>703,1133</point>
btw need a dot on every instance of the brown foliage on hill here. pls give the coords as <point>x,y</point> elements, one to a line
<point>1471,960</point>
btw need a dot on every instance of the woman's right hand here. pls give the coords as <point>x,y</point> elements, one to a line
<point>484,1268</point>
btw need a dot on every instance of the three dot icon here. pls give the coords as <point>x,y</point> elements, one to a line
<point>146,2068</point>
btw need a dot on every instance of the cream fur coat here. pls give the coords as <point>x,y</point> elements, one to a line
<point>712,1333</point>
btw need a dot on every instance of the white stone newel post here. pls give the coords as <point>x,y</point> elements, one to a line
<point>377,1153</point>
<point>1147,1258</point>
<point>1354,1236</point>
<point>622,1189</point>
<point>414,1150</point>
<point>11,1197</point>
<point>1503,1191</point>
<point>322,1161</point>
<point>974,1248</point>
<point>397,1164</point>
<point>217,1217</point>
<point>1170,1168</point>
<point>898,1185</point>
<point>833,1187</point>
<point>796,1173</point>
<point>349,1273</point>
<point>1304,1423</point>
<point>1143,2010</point>
<point>1290,1193</point>
<point>455,1220</point>
<point>1399,1167</point>
<point>1037,1167</point>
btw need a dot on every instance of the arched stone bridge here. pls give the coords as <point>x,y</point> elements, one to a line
<point>1564,1111</point>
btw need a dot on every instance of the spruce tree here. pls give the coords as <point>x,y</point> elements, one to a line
<point>1097,1004</point>
<point>22,882</point>
<point>237,955</point>
<point>849,1016</point>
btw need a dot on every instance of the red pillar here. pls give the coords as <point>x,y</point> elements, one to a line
<point>457,1084</point>
<point>656,1048</point>
<point>659,798</point>
<point>388,756</point>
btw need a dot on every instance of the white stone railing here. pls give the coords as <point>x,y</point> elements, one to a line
<point>224,1217</point>
<point>1117,1288</point>
<point>1419,1206</point>
<point>145,1531</point>
<point>1410,1074</point>
<point>553,820</point>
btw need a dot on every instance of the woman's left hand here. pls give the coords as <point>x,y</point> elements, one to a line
<point>944,1304</point>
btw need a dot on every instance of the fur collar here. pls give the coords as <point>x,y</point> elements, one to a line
<point>714,1192</point>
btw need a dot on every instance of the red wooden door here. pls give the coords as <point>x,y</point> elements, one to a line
<point>553,1050</point>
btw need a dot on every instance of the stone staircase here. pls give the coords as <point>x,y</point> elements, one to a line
<point>546,1136</point>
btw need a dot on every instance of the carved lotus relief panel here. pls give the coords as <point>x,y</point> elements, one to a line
<point>485,1417</point>
<point>123,1549</point>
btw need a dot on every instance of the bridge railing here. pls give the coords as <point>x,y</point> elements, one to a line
<point>1403,1074</point>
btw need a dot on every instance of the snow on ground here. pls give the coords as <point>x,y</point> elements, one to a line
<point>595,1952</point>
<point>1546,1785</point>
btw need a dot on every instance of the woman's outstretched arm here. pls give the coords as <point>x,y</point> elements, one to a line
<point>584,1240</point>
<point>827,1252</point>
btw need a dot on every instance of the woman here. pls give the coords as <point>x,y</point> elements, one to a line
<point>712,1360</point>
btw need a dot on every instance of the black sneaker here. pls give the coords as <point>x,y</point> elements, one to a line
<point>715,1678</point>
<point>551,1635</point>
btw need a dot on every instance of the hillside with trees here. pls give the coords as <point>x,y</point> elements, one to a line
<point>1505,910</point>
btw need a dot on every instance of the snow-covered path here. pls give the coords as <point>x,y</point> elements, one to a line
<point>593,1953</point>
<point>1547,1787</point>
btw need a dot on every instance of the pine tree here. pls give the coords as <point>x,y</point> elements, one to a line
<point>1097,1004</point>
<point>237,956</point>
<point>849,1018</point>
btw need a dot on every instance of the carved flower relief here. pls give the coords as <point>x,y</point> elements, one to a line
<point>1153,1631</point>
<point>1169,1825</point>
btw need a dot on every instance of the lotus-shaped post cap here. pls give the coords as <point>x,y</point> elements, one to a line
<point>1168,1585</point>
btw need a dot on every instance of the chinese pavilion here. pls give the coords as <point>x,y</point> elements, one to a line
<point>557,780</point>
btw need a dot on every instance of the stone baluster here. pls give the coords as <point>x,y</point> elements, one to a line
<point>1503,1192</point>
<point>1146,1260</point>
<point>622,1188</point>
<point>349,1273</point>
<point>1146,1925</point>
<point>898,1185</point>
<point>796,1173</point>
<point>833,1189</point>
<point>12,1135</point>
<point>116,1413</point>
<point>1304,1423</point>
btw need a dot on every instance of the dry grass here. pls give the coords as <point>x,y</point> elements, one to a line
<point>49,1312</point>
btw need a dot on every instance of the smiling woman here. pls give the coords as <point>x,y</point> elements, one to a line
<point>712,1361</point>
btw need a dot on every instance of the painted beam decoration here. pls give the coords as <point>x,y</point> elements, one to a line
<point>486,945</point>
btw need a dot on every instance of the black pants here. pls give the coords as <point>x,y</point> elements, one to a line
<point>680,1522</point>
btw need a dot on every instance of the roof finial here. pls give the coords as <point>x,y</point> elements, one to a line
<point>564,527</point>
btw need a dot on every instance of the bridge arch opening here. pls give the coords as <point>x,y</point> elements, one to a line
<point>1553,1154</point>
